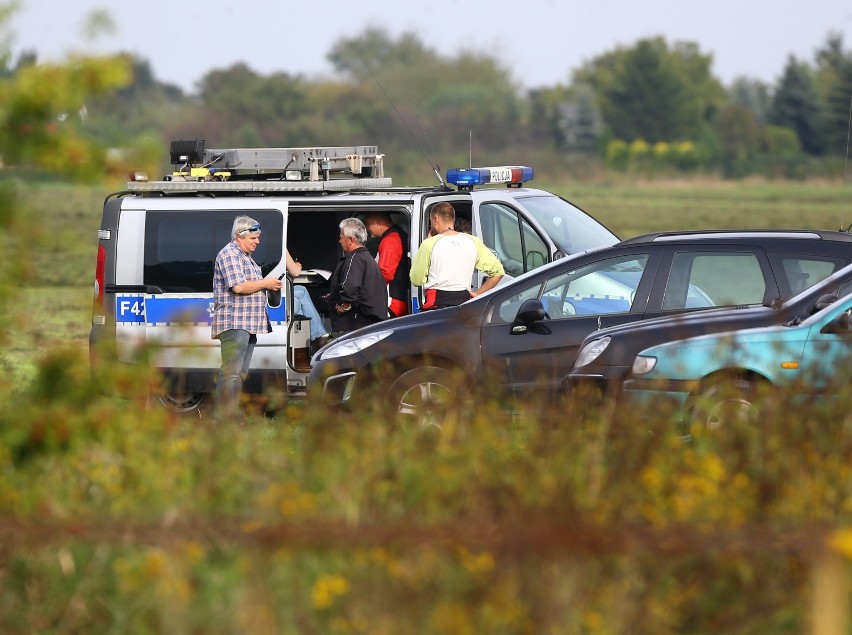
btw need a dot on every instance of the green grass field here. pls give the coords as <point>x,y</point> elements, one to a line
<point>120,518</point>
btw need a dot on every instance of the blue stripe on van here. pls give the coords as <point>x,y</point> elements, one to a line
<point>163,310</point>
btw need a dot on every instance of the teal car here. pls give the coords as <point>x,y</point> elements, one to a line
<point>715,378</point>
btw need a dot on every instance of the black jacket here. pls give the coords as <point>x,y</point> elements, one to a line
<point>357,281</point>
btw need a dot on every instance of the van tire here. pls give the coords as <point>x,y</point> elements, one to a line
<point>184,403</point>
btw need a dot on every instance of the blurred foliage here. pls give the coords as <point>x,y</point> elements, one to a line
<point>119,517</point>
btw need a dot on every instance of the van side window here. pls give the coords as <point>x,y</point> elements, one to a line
<point>512,239</point>
<point>181,247</point>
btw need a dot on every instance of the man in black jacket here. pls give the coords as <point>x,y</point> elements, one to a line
<point>358,291</point>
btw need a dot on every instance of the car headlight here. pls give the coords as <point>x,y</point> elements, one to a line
<point>591,351</point>
<point>644,364</point>
<point>353,345</point>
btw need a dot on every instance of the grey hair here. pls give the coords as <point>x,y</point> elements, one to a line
<point>354,228</point>
<point>242,223</point>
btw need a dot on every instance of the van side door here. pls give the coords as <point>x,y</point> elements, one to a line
<point>168,248</point>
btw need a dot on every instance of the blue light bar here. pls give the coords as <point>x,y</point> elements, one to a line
<point>511,175</point>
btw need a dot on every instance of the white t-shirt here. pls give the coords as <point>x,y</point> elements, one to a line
<point>452,264</point>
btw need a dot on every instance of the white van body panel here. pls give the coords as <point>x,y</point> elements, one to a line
<point>175,328</point>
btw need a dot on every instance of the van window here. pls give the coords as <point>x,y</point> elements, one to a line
<point>570,228</point>
<point>181,247</point>
<point>512,239</point>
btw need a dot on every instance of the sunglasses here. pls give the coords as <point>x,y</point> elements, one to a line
<point>252,229</point>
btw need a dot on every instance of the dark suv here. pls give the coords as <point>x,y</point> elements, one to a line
<point>521,338</point>
<point>606,356</point>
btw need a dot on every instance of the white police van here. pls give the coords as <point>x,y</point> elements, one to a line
<point>158,241</point>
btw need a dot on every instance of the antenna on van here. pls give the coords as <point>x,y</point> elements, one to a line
<point>470,148</point>
<point>434,166</point>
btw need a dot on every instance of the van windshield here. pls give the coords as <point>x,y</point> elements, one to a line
<point>570,228</point>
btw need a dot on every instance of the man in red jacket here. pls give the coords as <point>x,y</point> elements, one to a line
<point>393,260</point>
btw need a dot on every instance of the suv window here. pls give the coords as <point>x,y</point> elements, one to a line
<point>603,287</point>
<point>708,279</point>
<point>804,271</point>
<point>181,247</point>
<point>512,239</point>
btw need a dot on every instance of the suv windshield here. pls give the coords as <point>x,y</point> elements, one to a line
<point>571,229</point>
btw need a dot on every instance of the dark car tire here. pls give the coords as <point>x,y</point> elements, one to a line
<point>426,397</point>
<point>185,403</point>
<point>725,404</point>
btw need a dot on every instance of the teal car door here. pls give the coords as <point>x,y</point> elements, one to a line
<point>827,357</point>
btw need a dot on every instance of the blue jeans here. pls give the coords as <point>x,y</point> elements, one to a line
<point>302,304</point>
<point>237,348</point>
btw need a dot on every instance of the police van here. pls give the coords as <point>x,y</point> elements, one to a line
<point>158,240</point>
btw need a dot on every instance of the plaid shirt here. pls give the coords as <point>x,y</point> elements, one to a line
<point>233,310</point>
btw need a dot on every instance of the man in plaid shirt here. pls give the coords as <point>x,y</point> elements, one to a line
<point>239,311</point>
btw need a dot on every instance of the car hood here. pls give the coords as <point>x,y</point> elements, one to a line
<point>689,320</point>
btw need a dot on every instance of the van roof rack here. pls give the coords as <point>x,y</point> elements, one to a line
<point>198,168</point>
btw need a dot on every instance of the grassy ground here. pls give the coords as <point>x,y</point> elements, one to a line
<point>38,320</point>
<point>630,209</point>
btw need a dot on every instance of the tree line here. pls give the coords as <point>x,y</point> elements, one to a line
<point>649,108</point>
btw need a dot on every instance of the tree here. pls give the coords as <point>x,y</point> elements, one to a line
<point>242,107</point>
<point>429,95</point>
<point>796,105</point>
<point>741,136</point>
<point>752,94</point>
<point>654,93</point>
<point>834,85</point>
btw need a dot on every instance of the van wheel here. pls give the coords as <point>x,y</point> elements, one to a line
<point>426,397</point>
<point>183,403</point>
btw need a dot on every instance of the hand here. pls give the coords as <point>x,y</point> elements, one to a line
<point>342,308</point>
<point>273,284</point>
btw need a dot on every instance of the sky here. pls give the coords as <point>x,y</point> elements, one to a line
<point>539,41</point>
